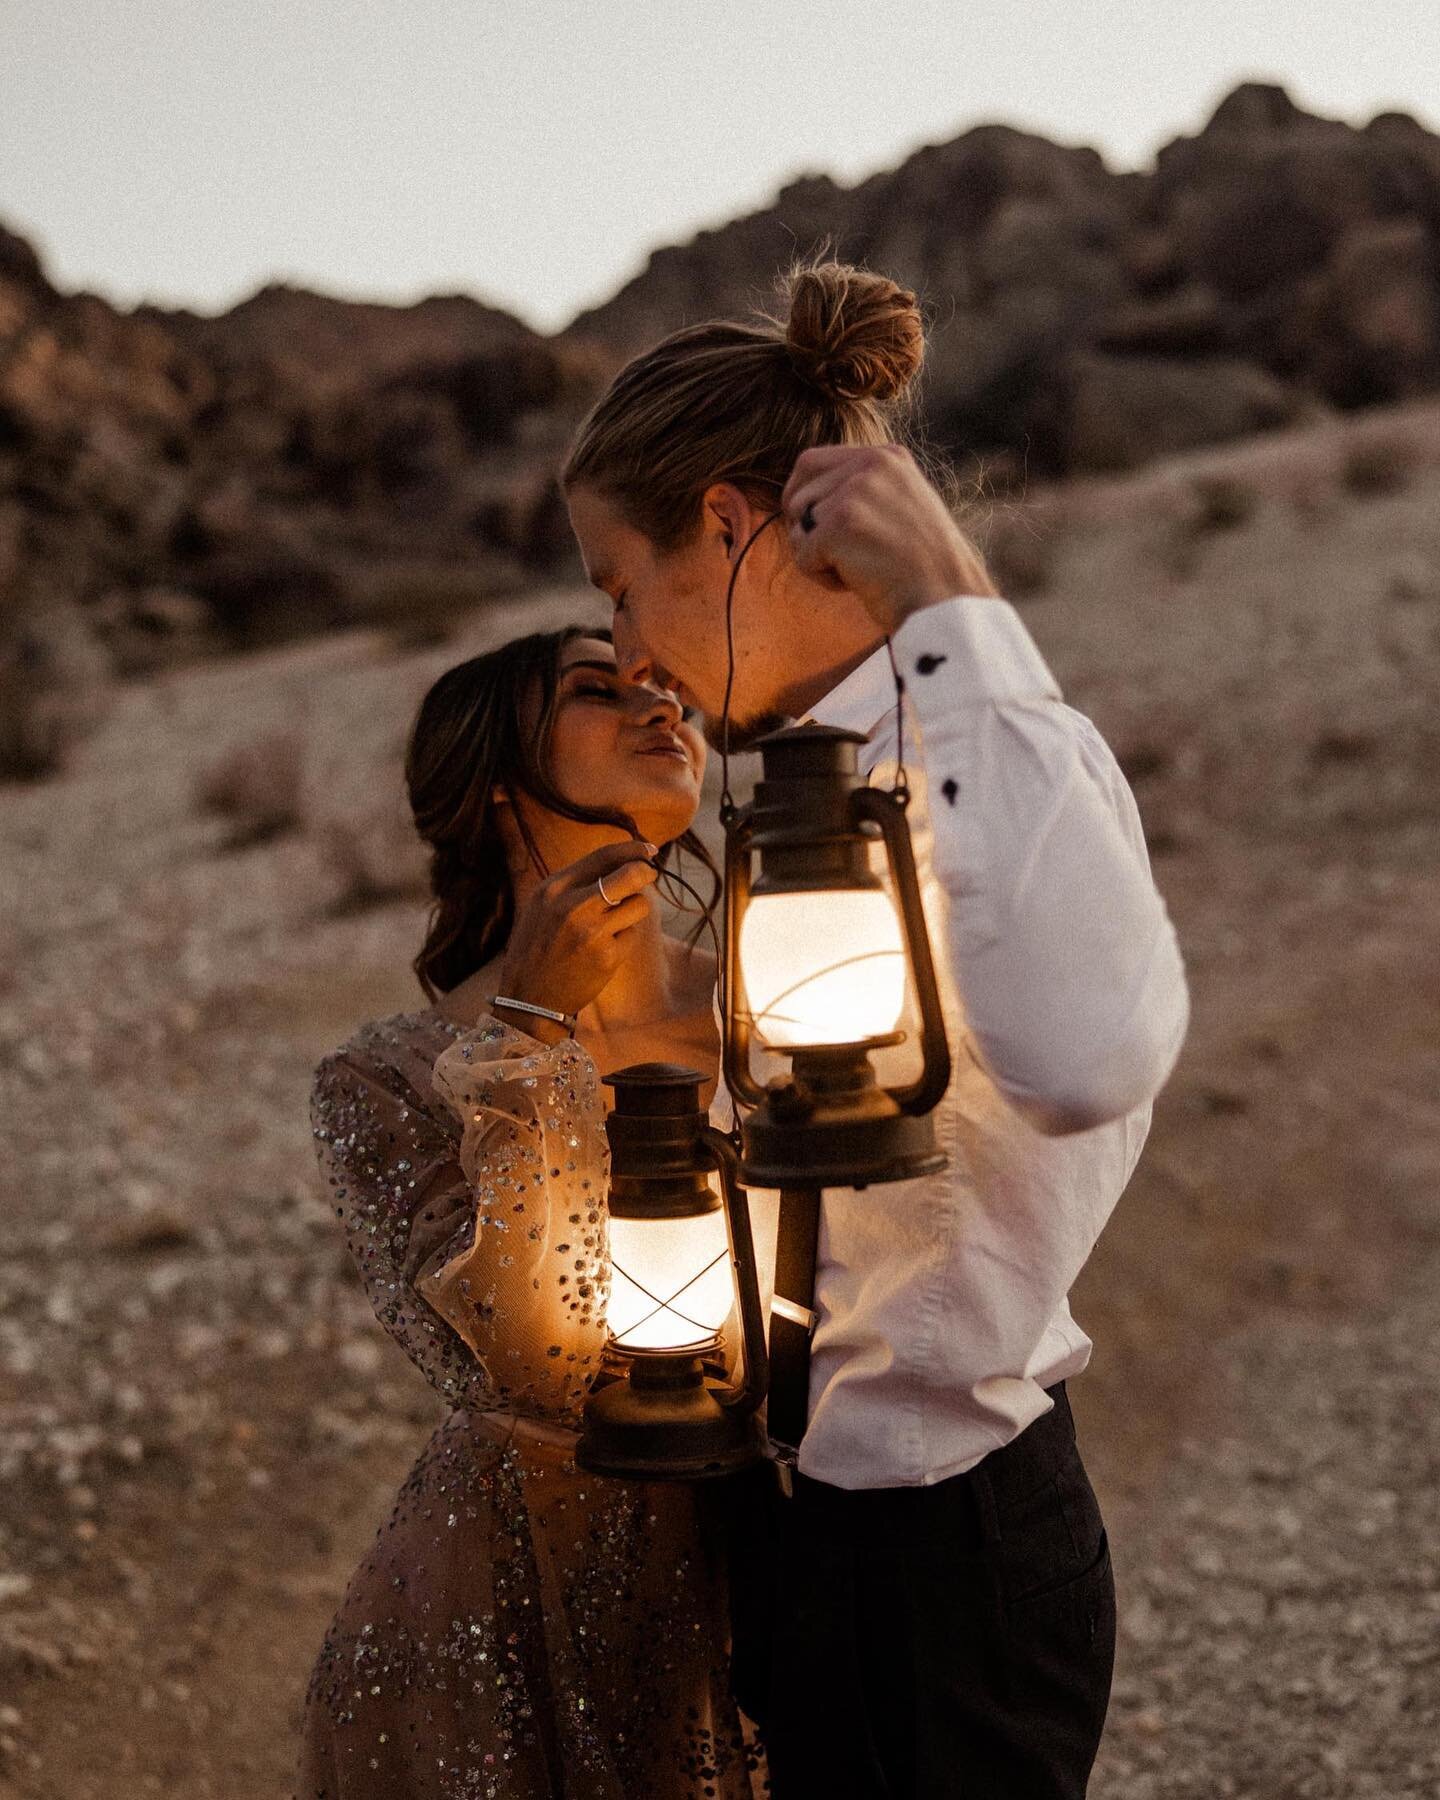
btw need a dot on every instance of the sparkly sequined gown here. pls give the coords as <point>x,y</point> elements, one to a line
<point>518,1628</point>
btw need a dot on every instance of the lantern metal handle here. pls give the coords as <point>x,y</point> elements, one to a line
<point>745,1396</point>
<point>739,1077</point>
<point>928,1088</point>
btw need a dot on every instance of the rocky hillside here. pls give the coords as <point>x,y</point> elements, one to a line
<point>173,485</point>
<point>1084,320</point>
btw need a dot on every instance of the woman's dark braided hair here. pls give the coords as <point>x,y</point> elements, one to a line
<point>470,741</point>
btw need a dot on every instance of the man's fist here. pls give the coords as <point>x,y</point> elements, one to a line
<point>863,517</point>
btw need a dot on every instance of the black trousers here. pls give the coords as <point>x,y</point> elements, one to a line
<point>924,1643</point>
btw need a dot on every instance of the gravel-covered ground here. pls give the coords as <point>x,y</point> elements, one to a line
<point>201,1424</point>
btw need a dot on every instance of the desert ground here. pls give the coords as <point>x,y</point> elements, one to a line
<point>203,1424</point>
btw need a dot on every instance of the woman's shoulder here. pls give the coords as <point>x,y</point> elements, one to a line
<point>389,1045</point>
<point>410,1049</point>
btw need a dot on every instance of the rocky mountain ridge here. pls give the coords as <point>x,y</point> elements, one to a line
<point>1273,265</point>
<point>172,485</point>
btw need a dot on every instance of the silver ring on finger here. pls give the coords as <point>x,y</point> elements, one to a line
<point>600,883</point>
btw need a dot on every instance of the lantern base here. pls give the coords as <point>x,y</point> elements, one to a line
<point>664,1423</point>
<point>833,1125</point>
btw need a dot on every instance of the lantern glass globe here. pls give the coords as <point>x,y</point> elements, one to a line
<point>671,1286</point>
<point>822,967</point>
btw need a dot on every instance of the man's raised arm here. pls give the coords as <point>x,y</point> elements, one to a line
<point>1061,947</point>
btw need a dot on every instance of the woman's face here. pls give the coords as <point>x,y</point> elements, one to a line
<point>625,744</point>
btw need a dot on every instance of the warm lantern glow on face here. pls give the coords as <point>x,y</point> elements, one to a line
<point>822,968</point>
<point>671,1285</point>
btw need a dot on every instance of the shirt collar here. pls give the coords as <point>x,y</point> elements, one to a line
<point>861,699</point>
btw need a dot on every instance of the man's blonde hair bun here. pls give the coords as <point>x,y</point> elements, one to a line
<point>851,334</point>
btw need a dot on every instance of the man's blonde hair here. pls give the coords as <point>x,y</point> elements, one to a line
<point>738,402</point>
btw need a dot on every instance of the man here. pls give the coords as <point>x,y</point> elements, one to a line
<point>943,1605</point>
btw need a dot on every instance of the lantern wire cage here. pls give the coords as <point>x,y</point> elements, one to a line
<point>666,1305</point>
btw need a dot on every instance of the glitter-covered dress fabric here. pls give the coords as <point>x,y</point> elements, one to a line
<point>518,1628</point>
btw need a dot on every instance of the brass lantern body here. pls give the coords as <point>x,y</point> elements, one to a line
<point>830,1123</point>
<point>668,1417</point>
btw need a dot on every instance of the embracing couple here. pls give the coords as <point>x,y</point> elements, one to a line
<point>927,1609</point>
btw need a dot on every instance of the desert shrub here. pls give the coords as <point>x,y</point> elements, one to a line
<point>1143,761</point>
<point>268,593</point>
<point>1377,463</point>
<point>257,787</point>
<point>1339,746</point>
<point>1413,579</point>
<point>1223,502</point>
<point>374,858</point>
<point>152,627</point>
<point>54,689</point>
<point>1181,515</point>
<point>525,516</point>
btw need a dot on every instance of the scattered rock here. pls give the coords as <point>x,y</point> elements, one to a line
<point>156,1228</point>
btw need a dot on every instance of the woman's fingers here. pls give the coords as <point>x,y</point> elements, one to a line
<point>618,919</point>
<point>578,903</point>
<point>601,862</point>
<point>629,878</point>
<point>593,911</point>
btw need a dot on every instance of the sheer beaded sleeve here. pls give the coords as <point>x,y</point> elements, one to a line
<point>471,1190</point>
<point>528,1288</point>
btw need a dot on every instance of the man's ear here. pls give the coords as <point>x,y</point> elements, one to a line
<point>727,511</point>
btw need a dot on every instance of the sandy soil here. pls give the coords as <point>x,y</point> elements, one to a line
<point>203,1425</point>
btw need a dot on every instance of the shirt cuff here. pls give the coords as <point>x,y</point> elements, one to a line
<point>970,649</point>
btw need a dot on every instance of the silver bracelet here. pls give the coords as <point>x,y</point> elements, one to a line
<point>540,1012</point>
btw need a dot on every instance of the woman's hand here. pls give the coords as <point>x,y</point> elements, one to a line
<point>568,938</point>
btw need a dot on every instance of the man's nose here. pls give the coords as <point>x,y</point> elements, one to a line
<point>631,658</point>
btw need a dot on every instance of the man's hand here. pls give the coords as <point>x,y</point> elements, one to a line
<point>878,529</point>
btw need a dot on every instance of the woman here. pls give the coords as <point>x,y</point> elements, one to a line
<point>520,1628</point>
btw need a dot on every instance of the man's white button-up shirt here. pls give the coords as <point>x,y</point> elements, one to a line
<point>943,1300</point>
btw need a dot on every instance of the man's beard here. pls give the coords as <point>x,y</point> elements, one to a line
<point>744,733</point>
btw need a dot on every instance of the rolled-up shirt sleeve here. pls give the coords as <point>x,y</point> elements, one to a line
<point>1062,950</point>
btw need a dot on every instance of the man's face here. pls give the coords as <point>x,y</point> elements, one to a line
<point>669,617</point>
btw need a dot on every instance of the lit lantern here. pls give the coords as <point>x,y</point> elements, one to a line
<point>680,1250</point>
<point>819,958</point>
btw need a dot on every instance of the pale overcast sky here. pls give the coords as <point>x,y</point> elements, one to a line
<point>532,153</point>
